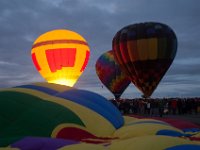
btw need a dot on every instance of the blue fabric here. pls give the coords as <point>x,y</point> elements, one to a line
<point>96,103</point>
<point>39,88</point>
<point>191,130</point>
<point>184,147</point>
<point>170,133</point>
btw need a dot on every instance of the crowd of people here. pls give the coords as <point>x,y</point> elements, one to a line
<point>158,106</point>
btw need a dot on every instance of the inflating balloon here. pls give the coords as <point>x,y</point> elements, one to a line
<point>47,116</point>
<point>57,111</point>
<point>111,75</point>
<point>60,56</point>
<point>145,51</point>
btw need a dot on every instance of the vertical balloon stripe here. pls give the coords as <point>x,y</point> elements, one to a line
<point>57,58</point>
<point>70,56</point>
<point>142,49</point>
<point>132,46</point>
<point>63,57</point>
<point>152,48</point>
<point>117,56</point>
<point>162,47</point>
<point>50,60</point>
<point>35,62</point>
<point>86,60</point>
<point>124,53</point>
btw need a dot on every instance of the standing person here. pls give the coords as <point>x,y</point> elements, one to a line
<point>161,108</point>
<point>174,106</point>
<point>132,106</point>
<point>153,107</point>
<point>196,106</point>
<point>121,106</point>
<point>148,107</point>
<point>166,108</point>
<point>126,106</point>
<point>180,107</point>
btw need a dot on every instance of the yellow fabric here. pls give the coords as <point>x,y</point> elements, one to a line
<point>147,120</point>
<point>197,135</point>
<point>152,48</point>
<point>58,34</point>
<point>133,53</point>
<point>128,119</point>
<point>141,129</point>
<point>149,143</point>
<point>142,49</point>
<point>56,87</point>
<point>102,127</point>
<point>83,146</point>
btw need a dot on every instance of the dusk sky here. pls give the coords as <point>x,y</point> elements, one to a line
<point>22,21</point>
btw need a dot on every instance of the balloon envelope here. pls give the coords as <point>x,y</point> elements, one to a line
<point>145,51</point>
<point>60,56</point>
<point>111,75</point>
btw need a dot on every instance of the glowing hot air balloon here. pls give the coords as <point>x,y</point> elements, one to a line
<point>60,56</point>
<point>145,51</point>
<point>111,75</point>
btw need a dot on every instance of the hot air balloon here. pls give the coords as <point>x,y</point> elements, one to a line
<point>145,51</point>
<point>111,75</point>
<point>60,56</point>
<point>57,111</point>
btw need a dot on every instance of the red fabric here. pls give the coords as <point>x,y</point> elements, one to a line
<point>57,59</point>
<point>77,134</point>
<point>194,138</point>
<point>35,62</point>
<point>178,123</point>
<point>86,60</point>
<point>74,134</point>
<point>60,57</point>
<point>68,57</point>
<point>50,60</point>
<point>59,42</point>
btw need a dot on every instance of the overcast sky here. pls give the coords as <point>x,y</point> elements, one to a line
<point>22,21</point>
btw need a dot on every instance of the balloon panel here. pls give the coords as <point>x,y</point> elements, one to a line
<point>95,102</point>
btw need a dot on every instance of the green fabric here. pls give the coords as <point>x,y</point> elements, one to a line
<point>26,115</point>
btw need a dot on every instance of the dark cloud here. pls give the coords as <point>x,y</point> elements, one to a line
<point>22,21</point>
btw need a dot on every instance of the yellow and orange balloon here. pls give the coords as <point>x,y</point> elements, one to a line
<point>60,56</point>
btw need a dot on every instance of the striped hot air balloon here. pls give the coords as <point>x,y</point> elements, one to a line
<point>145,51</point>
<point>60,56</point>
<point>111,75</point>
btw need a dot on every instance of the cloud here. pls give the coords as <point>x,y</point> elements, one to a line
<point>22,21</point>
